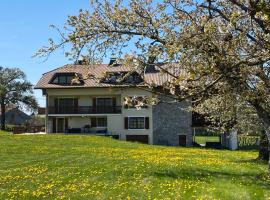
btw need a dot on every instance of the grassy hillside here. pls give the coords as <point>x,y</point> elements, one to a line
<point>88,167</point>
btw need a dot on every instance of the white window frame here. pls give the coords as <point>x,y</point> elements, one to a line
<point>139,129</point>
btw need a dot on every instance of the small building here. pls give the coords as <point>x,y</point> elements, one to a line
<point>14,116</point>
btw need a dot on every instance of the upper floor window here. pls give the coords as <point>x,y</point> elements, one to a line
<point>104,102</point>
<point>65,79</point>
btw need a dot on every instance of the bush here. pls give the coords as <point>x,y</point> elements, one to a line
<point>248,142</point>
<point>36,121</point>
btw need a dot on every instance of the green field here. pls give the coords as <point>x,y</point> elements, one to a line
<point>92,167</point>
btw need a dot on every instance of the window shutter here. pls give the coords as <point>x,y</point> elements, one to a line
<point>66,125</point>
<point>56,105</point>
<point>146,125</point>
<point>126,122</point>
<point>76,106</point>
<point>114,101</point>
<point>54,125</point>
<point>94,105</point>
<point>113,104</point>
<point>93,122</point>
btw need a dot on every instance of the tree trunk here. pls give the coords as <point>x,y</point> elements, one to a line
<point>263,147</point>
<point>268,136</point>
<point>3,116</point>
<point>267,132</point>
<point>264,116</point>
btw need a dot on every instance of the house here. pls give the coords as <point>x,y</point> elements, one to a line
<point>14,116</point>
<point>95,105</point>
<point>41,111</point>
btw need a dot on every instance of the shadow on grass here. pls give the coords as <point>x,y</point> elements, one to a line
<point>195,174</point>
<point>252,161</point>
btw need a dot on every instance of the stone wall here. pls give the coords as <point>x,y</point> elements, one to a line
<point>171,120</point>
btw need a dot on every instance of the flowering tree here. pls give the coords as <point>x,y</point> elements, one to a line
<point>226,111</point>
<point>216,42</point>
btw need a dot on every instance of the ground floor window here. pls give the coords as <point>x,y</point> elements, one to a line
<point>101,121</point>
<point>136,122</point>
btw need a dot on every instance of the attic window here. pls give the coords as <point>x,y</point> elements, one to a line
<point>121,78</point>
<point>63,79</point>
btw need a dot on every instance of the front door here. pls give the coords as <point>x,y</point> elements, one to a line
<point>60,125</point>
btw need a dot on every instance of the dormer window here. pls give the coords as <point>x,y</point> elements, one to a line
<point>121,78</point>
<point>64,79</point>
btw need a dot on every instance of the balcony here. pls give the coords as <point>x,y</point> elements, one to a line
<point>85,110</point>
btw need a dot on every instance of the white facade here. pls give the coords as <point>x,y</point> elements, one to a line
<point>86,96</point>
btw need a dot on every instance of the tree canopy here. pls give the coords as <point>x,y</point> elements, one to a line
<point>15,90</point>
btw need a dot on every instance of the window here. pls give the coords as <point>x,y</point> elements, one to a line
<point>66,102</point>
<point>104,102</point>
<point>101,122</point>
<point>63,79</point>
<point>136,123</point>
<point>55,80</point>
<point>121,78</point>
<point>104,105</point>
<point>66,105</point>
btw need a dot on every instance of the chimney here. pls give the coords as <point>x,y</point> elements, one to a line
<point>81,62</point>
<point>112,61</point>
<point>150,69</point>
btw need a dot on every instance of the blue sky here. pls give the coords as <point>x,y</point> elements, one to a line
<point>24,28</point>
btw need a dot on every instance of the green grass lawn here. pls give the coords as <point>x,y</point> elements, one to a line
<point>204,139</point>
<point>92,167</point>
<point>4,132</point>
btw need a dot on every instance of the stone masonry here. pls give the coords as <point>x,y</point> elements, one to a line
<point>171,120</point>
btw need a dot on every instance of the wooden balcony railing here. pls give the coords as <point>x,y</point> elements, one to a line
<point>85,110</point>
